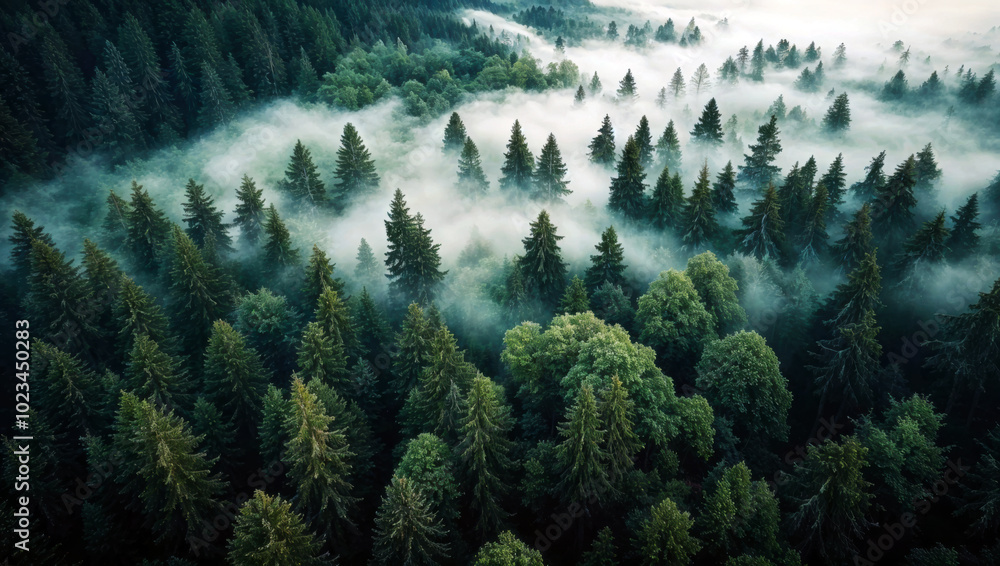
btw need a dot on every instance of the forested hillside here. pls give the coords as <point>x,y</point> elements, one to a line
<point>296,282</point>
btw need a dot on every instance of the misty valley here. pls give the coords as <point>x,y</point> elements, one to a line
<point>500,283</point>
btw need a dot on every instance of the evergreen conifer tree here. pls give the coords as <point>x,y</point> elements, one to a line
<point>607,266</point>
<point>302,180</point>
<point>541,265</point>
<point>698,225</point>
<point>602,147</point>
<point>471,177</point>
<point>250,212</point>
<point>550,175</point>
<point>356,175</point>
<point>758,170</point>
<point>574,300</point>
<point>628,189</point>
<point>519,163</point>
<point>203,219</point>
<point>668,148</point>
<point>278,248</point>
<point>267,532</point>
<point>708,130</point>
<point>454,133</point>
<point>723,190</point>
<point>763,233</point>
<point>963,240</point>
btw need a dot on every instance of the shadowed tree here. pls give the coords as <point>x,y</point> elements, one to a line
<point>302,180</point>
<point>278,248</point>
<point>664,537</point>
<point>717,290</point>
<point>550,175</point>
<point>541,265</point>
<point>763,233</point>
<point>668,148</point>
<point>607,265</point>
<point>235,379</point>
<point>838,116</point>
<point>758,170</point>
<point>250,212</point>
<point>644,139</point>
<point>518,162</point>
<point>454,133</point>
<point>666,205</point>
<point>723,196</point>
<point>356,175</point>
<point>147,229</point>
<point>268,532</point>
<point>471,178</point>
<point>484,450</point>
<point>708,130</point>
<point>582,456</point>
<point>628,189</point>
<point>407,531</point>
<point>857,241</point>
<point>698,224</point>
<point>963,240</point>
<point>602,147</point>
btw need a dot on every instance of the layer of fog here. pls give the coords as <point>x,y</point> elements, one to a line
<point>409,155</point>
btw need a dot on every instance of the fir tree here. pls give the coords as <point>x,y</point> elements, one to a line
<point>356,176</point>
<point>926,170</point>
<point>216,103</point>
<point>621,443</point>
<point>708,130</point>
<point>606,266</point>
<point>874,181</point>
<point>644,140</point>
<point>454,133</point>
<point>371,327</point>
<point>250,214</point>
<point>321,357</point>
<point>58,301</point>
<point>763,233</point>
<point>602,552</point>
<point>319,274</point>
<point>114,228</point>
<point>893,219</point>
<point>147,230</point>
<point>407,531</point>
<point>271,432</point>
<point>664,537</point>
<point>203,219</point>
<point>484,450</point>
<point>305,81</point>
<point>216,433</point>
<point>471,177</point>
<point>67,389</point>
<point>580,95</point>
<point>626,87</point>
<point>668,147</point>
<point>163,471</point>
<point>582,455</point>
<point>154,375</point>
<point>927,245</point>
<point>698,225</point>
<point>542,266</point>
<point>518,162</point>
<point>834,181</point>
<point>813,237</point>
<point>550,183</point>
<point>112,115</point>
<point>367,268</point>
<point>757,63</point>
<point>676,85</point>
<point>666,206</point>
<point>758,170</point>
<point>24,234</point>
<point>723,190</point>
<point>602,147</point>
<point>413,343</point>
<point>267,532</point>
<point>595,85</point>
<point>200,296</point>
<point>137,313</point>
<point>413,259</point>
<point>574,300</point>
<point>278,248</point>
<point>302,180</point>
<point>332,313</point>
<point>65,84</point>
<point>701,79</point>
<point>838,116</point>
<point>317,458</point>
<point>235,379</point>
<point>963,240</point>
<point>628,189</point>
<point>857,240</point>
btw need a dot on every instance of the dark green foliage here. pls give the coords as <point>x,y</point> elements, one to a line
<point>838,116</point>
<point>267,531</point>
<point>67,389</point>
<point>356,175</point>
<point>926,246</point>
<point>204,220</point>
<point>926,171</point>
<point>813,237</point>
<point>582,457</point>
<point>147,230</point>
<point>24,234</point>
<point>963,239</point>
<point>602,552</point>
<point>163,471</point>
<point>153,374</point>
<point>413,259</point>
<point>602,147</point>
<point>407,531</point>
<point>575,299</point>
<point>832,499</point>
<point>628,189</point>
<point>717,291</point>
<point>666,205</point>
<point>626,87</point>
<point>367,268</point>
<point>454,133</point>
<point>321,357</point>
<point>137,313</point>
<point>758,171</point>
<point>607,266</point>
<point>216,103</point>
<point>834,181</point>
<point>541,265</point>
<point>484,450</point>
<point>874,181</point>
<point>708,130</point>
<point>235,378</point>
<point>668,148</point>
<point>59,299</point>
<point>200,296</point>
<point>698,224</point>
<point>250,215</point>
<point>278,248</point>
<point>550,176</point>
<point>723,196</point>
<point>664,537</point>
<point>644,139</point>
<point>302,180</point>
<point>857,241</point>
<point>673,320</point>
<point>508,550</point>
<point>471,178</point>
<point>892,217</point>
<point>319,275</point>
<point>519,163</point>
<point>414,346</point>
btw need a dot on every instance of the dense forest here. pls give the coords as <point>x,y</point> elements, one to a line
<point>448,282</point>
